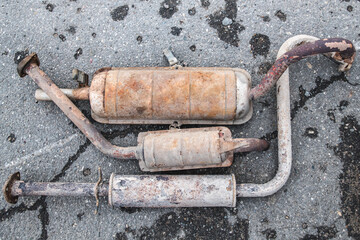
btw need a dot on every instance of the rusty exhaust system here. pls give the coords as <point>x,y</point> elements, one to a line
<point>175,95</point>
<point>185,191</point>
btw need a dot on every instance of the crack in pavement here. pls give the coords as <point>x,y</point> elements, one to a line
<point>321,85</point>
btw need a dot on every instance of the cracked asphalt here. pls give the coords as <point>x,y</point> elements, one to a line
<point>320,200</point>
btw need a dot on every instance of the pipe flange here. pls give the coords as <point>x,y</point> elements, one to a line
<point>32,58</point>
<point>7,188</point>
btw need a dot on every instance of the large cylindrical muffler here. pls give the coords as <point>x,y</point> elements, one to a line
<point>164,95</point>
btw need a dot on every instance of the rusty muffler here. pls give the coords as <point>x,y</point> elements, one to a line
<point>176,95</point>
<point>137,190</point>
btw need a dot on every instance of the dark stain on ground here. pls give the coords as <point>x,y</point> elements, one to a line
<point>280,15</point>
<point>121,236</point>
<point>20,55</point>
<point>11,138</point>
<point>269,233</point>
<point>270,136</point>
<point>265,18</point>
<point>227,33</point>
<point>50,7</point>
<point>193,48</point>
<point>349,153</point>
<point>349,8</point>
<point>304,225</point>
<point>343,104</point>
<point>321,85</point>
<point>311,132</point>
<point>80,215</point>
<point>331,114</point>
<point>168,8</point>
<point>265,103</point>
<point>44,219</point>
<point>192,11</point>
<point>62,37</point>
<point>176,31</point>
<point>323,233</point>
<point>119,13</point>
<point>260,45</point>
<point>139,39</point>
<point>205,3</point>
<point>264,68</point>
<point>130,210</point>
<point>194,223</point>
<point>86,172</point>
<point>78,52</point>
<point>71,30</point>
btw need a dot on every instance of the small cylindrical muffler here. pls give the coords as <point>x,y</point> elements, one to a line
<point>176,149</point>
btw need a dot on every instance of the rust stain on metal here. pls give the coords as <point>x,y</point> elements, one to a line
<point>172,191</point>
<point>163,94</point>
<point>81,93</point>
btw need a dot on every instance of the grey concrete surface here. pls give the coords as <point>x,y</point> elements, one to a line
<point>321,199</point>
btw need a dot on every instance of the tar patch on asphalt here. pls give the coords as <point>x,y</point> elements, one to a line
<point>349,152</point>
<point>192,224</point>
<point>224,21</point>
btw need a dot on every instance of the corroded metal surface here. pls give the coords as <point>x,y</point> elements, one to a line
<point>183,149</point>
<point>21,188</point>
<point>191,148</point>
<point>163,95</point>
<point>172,191</point>
<point>342,51</point>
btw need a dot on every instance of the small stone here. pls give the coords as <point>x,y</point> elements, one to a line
<point>11,138</point>
<point>192,11</point>
<point>304,226</point>
<point>226,21</point>
<point>86,171</point>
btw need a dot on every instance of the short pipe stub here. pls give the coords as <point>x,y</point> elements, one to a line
<point>32,58</point>
<point>7,188</point>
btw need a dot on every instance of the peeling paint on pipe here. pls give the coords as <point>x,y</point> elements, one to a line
<point>339,49</point>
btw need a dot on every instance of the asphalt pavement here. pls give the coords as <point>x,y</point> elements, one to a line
<point>320,200</point>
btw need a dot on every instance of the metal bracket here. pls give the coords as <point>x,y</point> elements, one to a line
<point>171,58</point>
<point>81,77</point>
